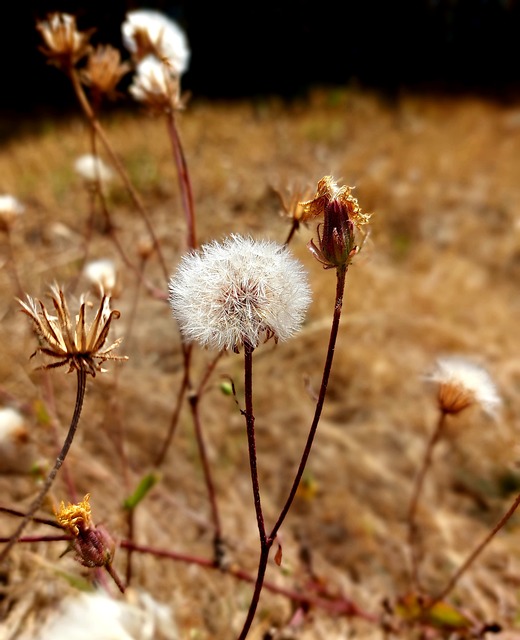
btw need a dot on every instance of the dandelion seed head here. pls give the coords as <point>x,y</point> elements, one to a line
<point>102,273</point>
<point>10,209</point>
<point>240,291</point>
<point>146,31</point>
<point>92,169</point>
<point>152,84</point>
<point>64,44</point>
<point>462,383</point>
<point>15,448</point>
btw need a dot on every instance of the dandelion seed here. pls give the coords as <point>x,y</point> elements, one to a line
<point>103,274</point>
<point>10,209</point>
<point>15,449</point>
<point>461,383</point>
<point>76,344</point>
<point>241,291</point>
<point>93,170</point>
<point>148,32</point>
<point>154,85</point>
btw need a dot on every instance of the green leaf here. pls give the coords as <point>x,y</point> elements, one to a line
<point>146,484</point>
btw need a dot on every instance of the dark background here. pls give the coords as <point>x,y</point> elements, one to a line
<point>255,49</point>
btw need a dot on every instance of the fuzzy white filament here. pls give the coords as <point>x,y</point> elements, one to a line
<point>146,31</point>
<point>462,383</point>
<point>240,291</point>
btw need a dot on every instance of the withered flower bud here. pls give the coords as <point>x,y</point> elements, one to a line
<point>64,44</point>
<point>104,70</point>
<point>342,217</point>
<point>93,546</point>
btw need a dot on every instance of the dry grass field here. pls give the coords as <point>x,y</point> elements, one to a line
<point>438,275</point>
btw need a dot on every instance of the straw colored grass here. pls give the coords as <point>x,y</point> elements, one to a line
<point>438,275</point>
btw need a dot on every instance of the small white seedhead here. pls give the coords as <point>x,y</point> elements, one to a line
<point>102,274</point>
<point>462,383</point>
<point>241,291</point>
<point>92,169</point>
<point>148,32</point>
<point>10,209</point>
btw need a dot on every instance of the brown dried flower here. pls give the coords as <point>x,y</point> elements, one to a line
<point>64,44</point>
<point>94,546</point>
<point>78,345</point>
<point>104,70</point>
<point>342,216</point>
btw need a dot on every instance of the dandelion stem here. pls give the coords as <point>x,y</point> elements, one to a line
<point>37,503</point>
<point>476,552</point>
<point>96,126</point>
<point>417,491</point>
<point>184,179</point>
<point>267,541</point>
<point>341,273</point>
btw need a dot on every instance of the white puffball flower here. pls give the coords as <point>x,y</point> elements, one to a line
<point>237,292</point>
<point>146,31</point>
<point>97,616</point>
<point>152,82</point>
<point>10,209</point>
<point>462,383</point>
<point>16,452</point>
<point>103,274</point>
<point>92,169</point>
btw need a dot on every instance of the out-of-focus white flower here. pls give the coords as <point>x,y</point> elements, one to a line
<point>461,383</point>
<point>10,209</point>
<point>92,169</point>
<point>103,274</point>
<point>153,84</point>
<point>16,452</point>
<point>97,616</point>
<point>241,291</point>
<point>146,32</point>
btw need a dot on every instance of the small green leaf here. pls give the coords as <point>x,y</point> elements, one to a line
<point>146,484</point>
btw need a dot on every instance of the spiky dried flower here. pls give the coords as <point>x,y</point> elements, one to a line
<point>92,169</point>
<point>147,32</point>
<point>76,344</point>
<point>461,383</point>
<point>342,217</point>
<point>94,546</point>
<point>240,291</point>
<point>10,209</point>
<point>104,70</point>
<point>64,44</point>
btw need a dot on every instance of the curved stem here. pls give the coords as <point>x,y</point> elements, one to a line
<point>476,552</point>
<point>37,502</point>
<point>184,179</point>
<point>414,502</point>
<point>96,126</point>
<point>340,288</point>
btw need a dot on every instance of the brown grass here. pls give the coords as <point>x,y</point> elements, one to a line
<point>438,275</point>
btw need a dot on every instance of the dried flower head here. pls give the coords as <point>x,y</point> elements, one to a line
<point>241,291</point>
<point>155,86</point>
<point>93,170</point>
<point>64,44</point>
<point>148,32</point>
<point>461,383</point>
<point>102,274</point>
<point>342,216</point>
<point>10,210</point>
<point>78,345</point>
<point>94,546</point>
<point>104,71</point>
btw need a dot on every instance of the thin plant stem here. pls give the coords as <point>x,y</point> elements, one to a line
<point>96,126</point>
<point>11,262</point>
<point>184,178</point>
<point>341,273</point>
<point>38,501</point>
<point>476,552</point>
<point>267,541</point>
<point>294,228</point>
<point>416,495</point>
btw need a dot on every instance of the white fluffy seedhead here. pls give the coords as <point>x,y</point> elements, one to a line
<point>240,291</point>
